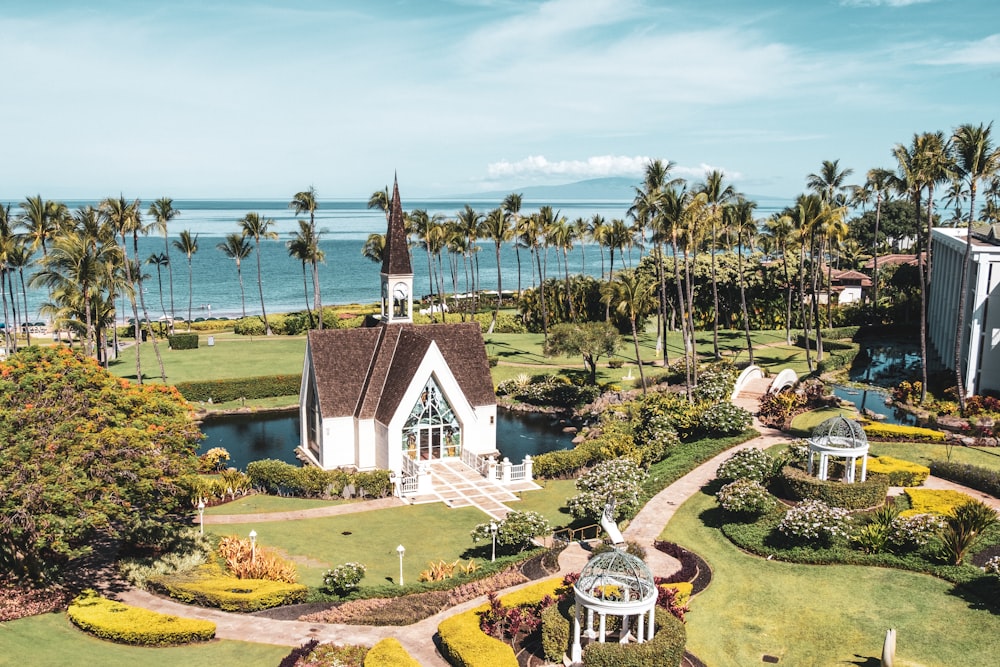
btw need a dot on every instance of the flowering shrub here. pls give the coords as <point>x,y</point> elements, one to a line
<point>749,464</point>
<point>716,382</point>
<point>745,496</point>
<point>724,418</point>
<point>516,532</point>
<point>213,459</point>
<point>911,532</point>
<point>992,566</point>
<point>814,521</point>
<point>551,390</point>
<point>619,479</point>
<point>344,578</point>
<point>908,392</point>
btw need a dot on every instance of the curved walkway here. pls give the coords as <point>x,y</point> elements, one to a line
<point>418,638</point>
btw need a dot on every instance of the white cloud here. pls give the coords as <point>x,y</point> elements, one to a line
<point>985,51</point>
<point>593,167</point>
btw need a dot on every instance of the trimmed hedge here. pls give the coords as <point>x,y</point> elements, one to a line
<point>666,649</point>
<point>974,477</point>
<point>229,593</point>
<point>464,644</point>
<point>278,477</point>
<point>183,341</point>
<point>556,630</point>
<point>934,501</point>
<point>389,653</point>
<point>837,355</point>
<point>900,472</point>
<point>901,433</point>
<point>860,495</point>
<point>220,391</point>
<point>124,624</point>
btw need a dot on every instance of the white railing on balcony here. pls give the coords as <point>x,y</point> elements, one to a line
<point>517,472</point>
<point>478,463</point>
<point>409,485</point>
<point>410,467</point>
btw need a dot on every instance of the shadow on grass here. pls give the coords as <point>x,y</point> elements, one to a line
<point>981,593</point>
<point>865,661</point>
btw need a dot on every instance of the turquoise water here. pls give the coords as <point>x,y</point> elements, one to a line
<point>345,277</point>
<point>275,436</point>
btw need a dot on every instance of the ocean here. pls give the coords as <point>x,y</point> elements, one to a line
<point>345,276</point>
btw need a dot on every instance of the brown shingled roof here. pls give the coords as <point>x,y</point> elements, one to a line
<point>396,254</point>
<point>364,372</point>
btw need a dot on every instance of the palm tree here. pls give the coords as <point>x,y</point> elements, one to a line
<point>781,228</point>
<point>126,219</point>
<point>977,160</point>
<point>163,212</point>
<point>8,240</point>
<point>511,206</point>
<point>188,245</point>
<point>878,183</point>
<point>374,248</point>
<point>36,218</point>
<point>468,221</point>
<point>496,226</point>
<point>237,248</point>
<point>716,196</point>
<point>303,247</point>
<point>561,234</point>
<point>830,183</point>
<point>159,260</point>
<point>741,220</point>
<point>597,230</point>
<point>429,230</point>
<point>632,296</point>
<point>380,199</point>
<point>305,202</point>
<point>257,227</point>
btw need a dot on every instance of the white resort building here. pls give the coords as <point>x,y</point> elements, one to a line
<point>981,335</point>
<point>398,396</point>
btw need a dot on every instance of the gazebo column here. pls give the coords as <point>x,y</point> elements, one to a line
<point>640,635</point>
<point>864,467</point>
<point>576,652</point>
<point>809,468</point>
<point>604,627</point>
<point>623,635</point>
<point>651,627</point>
<point>590,624</point>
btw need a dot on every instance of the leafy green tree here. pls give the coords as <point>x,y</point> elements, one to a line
<point>304,247</point>
<point>632,295</point>
<point>163,212</point>
<point>85,455</point>
<point>305,202</point>
<point>236,248</point>
<point>188,245</point>
<point>591,340</point>
<point>257,227</point>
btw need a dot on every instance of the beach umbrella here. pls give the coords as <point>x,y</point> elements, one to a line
<point>889,648</point>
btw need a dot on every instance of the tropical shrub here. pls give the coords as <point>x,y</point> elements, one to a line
<point>992,566</point>
<point>516,532</point>
<point>776,408</point>
<point>908,392</point>
<point>723,419</point>
<point>213,459</point>
<point>962,529</point>
<point>248,560</point>
<point>813,521</point>
<point>745,496</point>
<point>315,654</point>
<point>555,633</point>
<point>344,578</point>
<point>618,479</point>
<point>124,624</point>
<point>900,472</point>
<point>914,531</point>
<point>249,326</point>
<point>715,382</point>
<point>389,652</point>
<point>751,464</point>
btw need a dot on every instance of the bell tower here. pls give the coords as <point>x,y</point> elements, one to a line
<point>397,272</point>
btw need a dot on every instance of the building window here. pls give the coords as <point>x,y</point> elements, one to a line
<point>432,431</point>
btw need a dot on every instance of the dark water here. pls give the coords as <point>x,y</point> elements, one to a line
<point>881,364</point>
<point>251,437</point>
<point>874,401</point>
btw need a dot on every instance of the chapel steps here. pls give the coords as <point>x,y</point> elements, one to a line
<point>457,485</point>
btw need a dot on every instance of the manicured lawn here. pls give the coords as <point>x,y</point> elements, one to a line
<point>427,532</point>
<point>232,356</point>
<point>922,453</point>
<point>50,639</point>
<point>550,501</point>
<point>823,615</point>
<point>263,503</point>
<point>803,424</point>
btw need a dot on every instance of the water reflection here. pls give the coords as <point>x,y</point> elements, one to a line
<point>251,437</point>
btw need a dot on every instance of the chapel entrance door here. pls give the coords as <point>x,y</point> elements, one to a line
<point>430,443</point>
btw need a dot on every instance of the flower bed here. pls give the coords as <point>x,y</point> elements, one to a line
<point>123,624</point>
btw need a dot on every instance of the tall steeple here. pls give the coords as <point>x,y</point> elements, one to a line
<point>397,272</point>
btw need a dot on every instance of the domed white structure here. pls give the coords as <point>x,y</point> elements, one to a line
<point>842,438</point>
<point>619,584</point>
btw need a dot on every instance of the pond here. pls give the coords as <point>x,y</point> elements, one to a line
<point>885,364</point>
<point>874,401</point>
<point>251,437</point>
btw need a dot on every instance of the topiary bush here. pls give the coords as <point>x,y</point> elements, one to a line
<point>555,633</point>
<point>902,433</point>
<point>900,472</point>
<point>206,587</point>
<point>750,464</point>
<point>975,477</point>
<point>183,341</point>
<point>249,326</point>
<point>801,486</point>
<point>747,497</point>
<point>220,391</point>
<point>464,644</point>
<point>124,624</point>
<point>665,649</point>
<point>814,522</point>
<point>389,653</point>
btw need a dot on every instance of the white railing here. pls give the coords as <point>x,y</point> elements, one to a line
<point>409,485</point>
<point>410,467</point>
<point>517,472</point>
<point>478,463</point>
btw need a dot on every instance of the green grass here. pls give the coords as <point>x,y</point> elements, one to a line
<point>427,532</point>
<point>823,615</point>
<point>924,454</point>
<point>550,501</point>
<point>263,503</point>
<point>803,424</point>
<point>232,356</point>
<point>50,639</point>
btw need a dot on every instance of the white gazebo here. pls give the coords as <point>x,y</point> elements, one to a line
<point>841,438</point>
<point>619,584</point>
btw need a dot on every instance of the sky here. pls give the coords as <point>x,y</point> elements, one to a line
<point>244,98</point>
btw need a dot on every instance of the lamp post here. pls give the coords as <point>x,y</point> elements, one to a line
<point>201,514</point>
<point>493,532</point>
<point>400,550</point>
<point>253,546</point>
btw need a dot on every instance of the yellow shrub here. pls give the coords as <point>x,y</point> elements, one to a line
<point>248,561</point>
<point>899,432</point>
<point>204,587</point>
<point>933,501</point>
<point>683,589</point>
<point>465,645</point>
<point>532,593</point>
<point>123,624</point>
<point>900,472</point>
<point>389,653</point>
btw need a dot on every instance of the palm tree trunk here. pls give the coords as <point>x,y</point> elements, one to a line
<point>444,301</point>
<point>145,312</point>
<point>541,296</point>
<point>690,308</point>
<point>243,294</point>
<point>260,288</point>
<point>137,325</point>
<point>715,297</point>
<point>878,215</point>
<point>569,295</point>
<point>190,292</point>
<point>802,302</point>
<point>496,311</point>
<point>170,273</point>
<point>962,297</point>
<point>638,359</point>
<point>24,297</point>
<point>788,300</point>
<point>317,298</point>
<point>743,301</point>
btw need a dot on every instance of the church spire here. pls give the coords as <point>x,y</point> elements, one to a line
<point>396,255</point>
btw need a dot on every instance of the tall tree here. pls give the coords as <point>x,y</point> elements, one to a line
<point>163,213</point>
<point>237,248</point>
<point>512,210</point>
<point>716,195</point>
<point>303,247</point>
<point>632,296</point>
<point>305,202</point>
<point>879,183</point>
<point>36,218</point>
<point>781,228</point>
<point>496,226</point>
<point>380,200</point>
<point>257,227</point>
<point>159,260</point>
<point>830,183</point>
<point>374,248</point>
<point>188,245</point>
<point>741,221</point>
<point>978,159</point>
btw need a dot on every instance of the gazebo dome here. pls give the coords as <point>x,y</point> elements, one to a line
<point>841,432</point>
<point>839,438</point>
<point>616,580</point>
